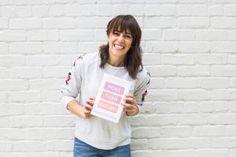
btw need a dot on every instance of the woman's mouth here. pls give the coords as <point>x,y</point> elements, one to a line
<point>119,47</point>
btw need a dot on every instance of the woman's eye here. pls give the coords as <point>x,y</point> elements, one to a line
<point>115,33</point>
<point>128,36</point>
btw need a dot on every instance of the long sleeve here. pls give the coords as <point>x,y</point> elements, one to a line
<point>72,85</point>
<point>141,88</point>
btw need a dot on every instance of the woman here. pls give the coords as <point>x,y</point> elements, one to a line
<point>120,57</point>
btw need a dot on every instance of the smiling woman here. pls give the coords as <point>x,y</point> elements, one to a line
<point>123,48</point>
<point>120,57</point>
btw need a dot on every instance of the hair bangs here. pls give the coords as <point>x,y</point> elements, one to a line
<point>120,25</point>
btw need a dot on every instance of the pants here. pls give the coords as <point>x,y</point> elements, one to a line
<point>82,149</point>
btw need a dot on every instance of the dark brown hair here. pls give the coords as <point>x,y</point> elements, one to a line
<point>133,59</point>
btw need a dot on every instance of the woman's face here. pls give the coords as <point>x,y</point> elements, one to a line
<point>119,44</point>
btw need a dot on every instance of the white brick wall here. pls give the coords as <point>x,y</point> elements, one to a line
<point>189,48</point>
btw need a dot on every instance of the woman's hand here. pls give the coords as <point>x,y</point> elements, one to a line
<point>85,111</point>
<point>79,110</point>
<point>130,105</point>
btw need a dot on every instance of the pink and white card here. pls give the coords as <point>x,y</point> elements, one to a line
<point>110,95</point>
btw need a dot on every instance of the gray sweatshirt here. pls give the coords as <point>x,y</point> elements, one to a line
<point>82,82</point>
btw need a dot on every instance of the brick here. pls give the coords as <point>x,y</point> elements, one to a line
<point>60,47</point>
<point>231,35</point>
<point>233,82</point>
<point>177,59</point>
<point>214,83</point>
<point>54,72</point>
<point>194,47</point>
<point>43,154</point>
<point>3,97</point>
<point>223,70</point>
<point>222,119</point>
<point>176,131</point>
<point>25,47</point>
<point>158,83</point>
<point>223,94</point>
<point>216,10</point>
<point>229,10</point>
<point>140,153</point>
<point>139,144</point>
<point>43,35</point>
<point>50,95</point>
<point>13,84</point>
<point>22,11</point>
<point>27,23</point>
<point>161,1</point>
<point>100,35</point>
<point>3,48</point>
<point>176,35</point>
<point>12,60</point>
<point>88,47</point>
<point>16,109</point>
<point>58,10</point>
<point>3,23</point>
<point>60,145</point>
<point>208,59</point>
<point>24,96</point>
<point>5,146</point>
<point>193,22</point>
<point>78,10</point>
<point>212,35</point>
<point>162,95</point>
<point>209,131</point>
<point>182,83</point>
<point>194,94</point>
<point>162,70</point>
<point>44,108</point>
<point>27,146</point>
<point>77,35</point>
<point>148,59</point>
<point>160,22</point>
<point>223,22</point>
<point>102,9</point>
<point>153,9</point>
<point>161,47</point>
<point>192,2</point>
<point>42,84</point>
<point>146,132</point>
<point>148,34</point>
<point>118,9</point>
<point>26,72</point>
<point>232,152</point>
<point>5,122</point>
<point>197,70</point>
<point>13,35</point>
<point>223,47</point>
<point>58,121</point>
<point>192,10</point>
<point>222,1</point>
<point>92,22</point>
<point>40,11</point>
<point>59,23</point>
<point>26,121</point>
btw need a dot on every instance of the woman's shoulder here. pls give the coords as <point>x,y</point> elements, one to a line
<point>88,58</point>
<point>143,74</point>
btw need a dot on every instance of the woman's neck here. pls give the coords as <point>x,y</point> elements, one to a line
<point>116,62</point>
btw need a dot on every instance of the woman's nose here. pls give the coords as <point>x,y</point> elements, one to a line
<point>121,37</point>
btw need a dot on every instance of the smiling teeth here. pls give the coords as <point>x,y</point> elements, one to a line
<point>119,47</point>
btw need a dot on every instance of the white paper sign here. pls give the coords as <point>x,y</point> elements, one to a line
<point>110,95</point>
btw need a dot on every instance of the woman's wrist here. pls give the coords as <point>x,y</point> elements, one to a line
<point>133,112</point>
